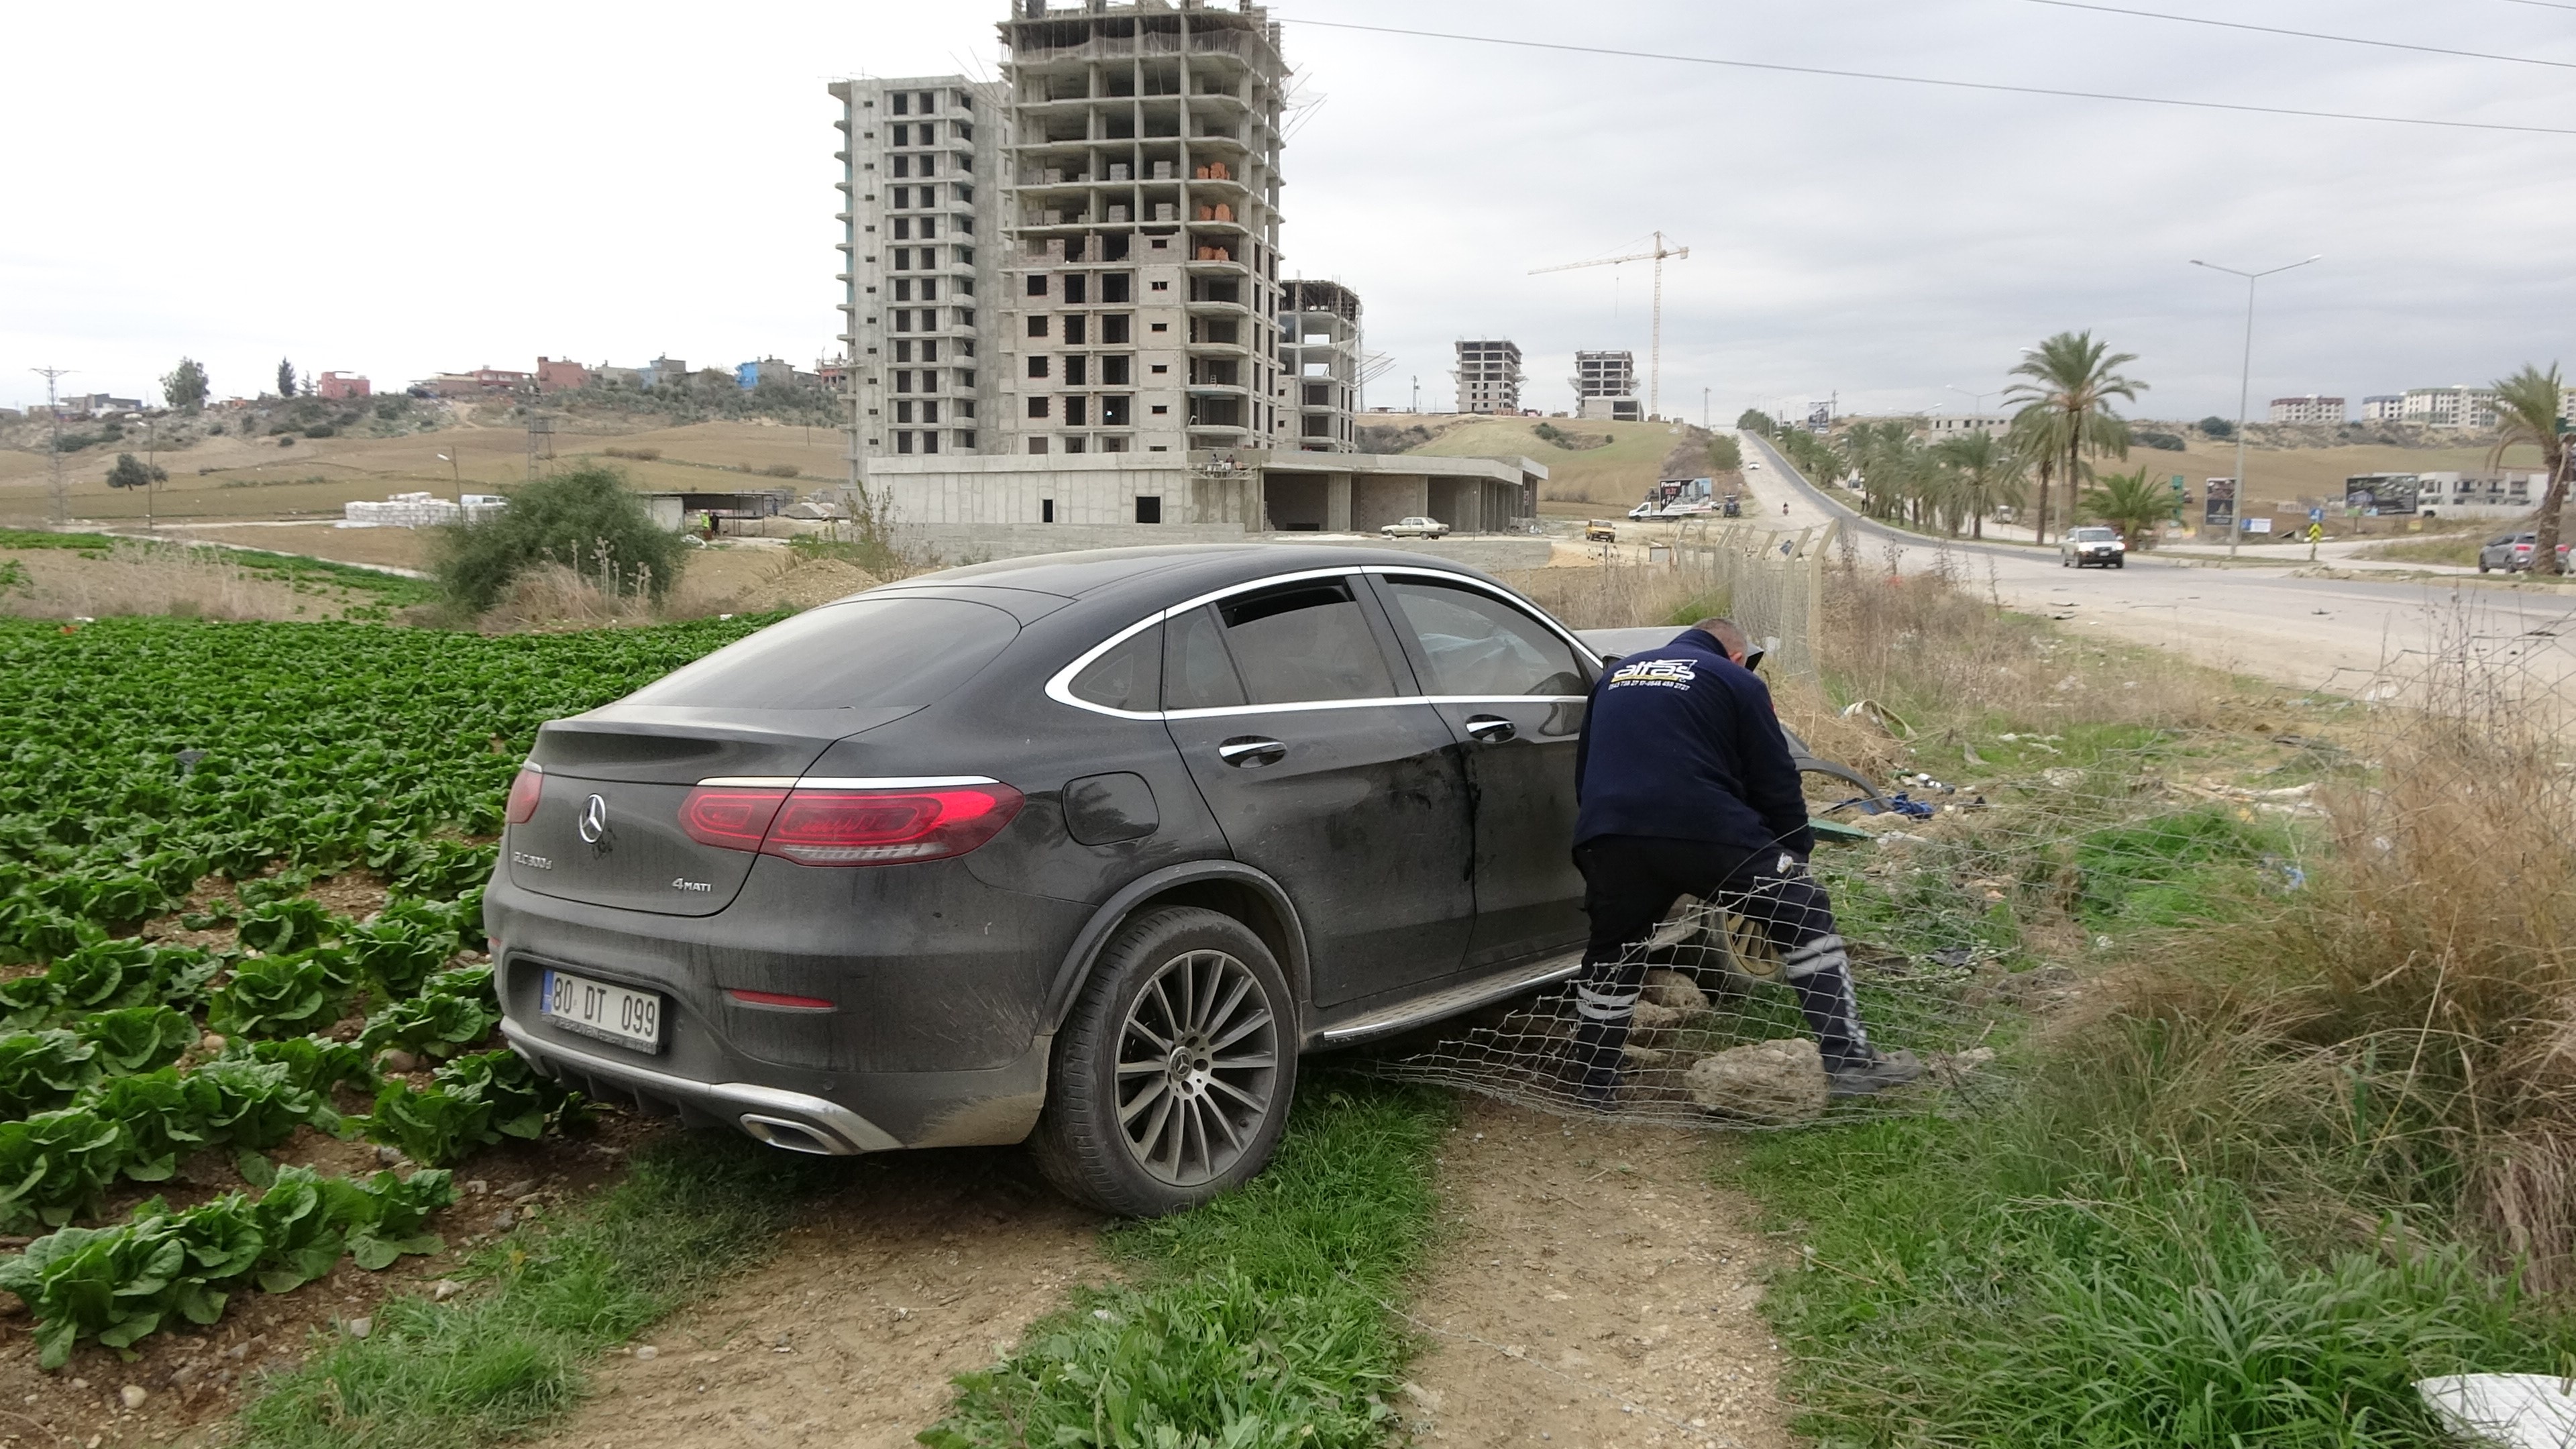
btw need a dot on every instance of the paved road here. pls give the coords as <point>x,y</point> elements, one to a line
<point>2344,634</point>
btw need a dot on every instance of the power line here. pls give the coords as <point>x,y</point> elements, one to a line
<point>1964,85</point>
<point>2306,34</point>
<point>2543,4</point>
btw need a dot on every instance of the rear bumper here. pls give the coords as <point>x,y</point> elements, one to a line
<point>794,1121</point>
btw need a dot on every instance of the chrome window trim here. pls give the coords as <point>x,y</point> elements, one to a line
<point>1060,687</point>
<point>845,782</point>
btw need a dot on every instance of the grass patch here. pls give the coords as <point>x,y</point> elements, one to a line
<point>503,1358</point>
<point>2460,549</point>
<point>2003,1281</point>
<point>1254,1322</point>
<point>40,538</point>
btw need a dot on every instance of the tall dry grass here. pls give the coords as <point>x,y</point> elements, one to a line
<point>1941,645</point>
<point>141,578</point>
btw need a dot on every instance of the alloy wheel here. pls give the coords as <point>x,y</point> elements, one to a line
<point>1198,1066</point>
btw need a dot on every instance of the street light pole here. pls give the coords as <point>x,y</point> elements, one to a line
<point>2244,388</point>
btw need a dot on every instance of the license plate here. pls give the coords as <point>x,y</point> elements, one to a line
<point>595,1008</point>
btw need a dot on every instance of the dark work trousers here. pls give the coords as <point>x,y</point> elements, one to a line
<point>1630,881</point>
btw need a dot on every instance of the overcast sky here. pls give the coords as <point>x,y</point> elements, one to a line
<point>399,190</point>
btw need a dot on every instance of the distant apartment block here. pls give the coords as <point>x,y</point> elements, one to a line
<point>91,404</point>
<point>2385,407</point>
<point>562,374</point>
<point>1319,354</point>
<point>1948,425</point>
<point>1605,386</point>
<point>2456,406</point>
<point>335,386</point>
<point>2310,409</point>
<point>1489,376</point>
<point>921,213</point>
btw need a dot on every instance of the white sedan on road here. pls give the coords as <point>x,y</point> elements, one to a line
<point>1415,528</point>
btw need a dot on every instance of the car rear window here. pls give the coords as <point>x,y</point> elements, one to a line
<point>865,653</point>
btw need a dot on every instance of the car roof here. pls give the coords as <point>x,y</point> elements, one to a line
<point>1189,567</point>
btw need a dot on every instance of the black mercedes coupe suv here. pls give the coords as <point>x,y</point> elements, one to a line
<point>1083,850</point>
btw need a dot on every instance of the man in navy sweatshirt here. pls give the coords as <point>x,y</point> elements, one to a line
<point>1686,788</point>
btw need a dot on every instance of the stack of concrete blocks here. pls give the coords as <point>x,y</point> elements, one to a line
<point>421,510</point>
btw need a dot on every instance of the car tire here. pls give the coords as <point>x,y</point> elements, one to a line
<point>2119,563</point>
<point>1109,1136</point>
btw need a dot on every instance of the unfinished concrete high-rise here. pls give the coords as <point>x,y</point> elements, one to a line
<point>1489,376</point>
<point>1141,192</point>
<point>1319,356</point>
<point>919,238</point>
<point>1605,386</point>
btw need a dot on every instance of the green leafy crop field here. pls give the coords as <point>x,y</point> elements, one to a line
<point>164,772</point>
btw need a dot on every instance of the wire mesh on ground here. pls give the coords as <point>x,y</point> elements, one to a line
<point>1960,910</point>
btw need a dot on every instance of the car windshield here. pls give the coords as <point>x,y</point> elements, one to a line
<point>2093,535</point>
<point>867,652</point>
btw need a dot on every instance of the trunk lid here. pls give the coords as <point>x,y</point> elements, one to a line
<point>607,825</point>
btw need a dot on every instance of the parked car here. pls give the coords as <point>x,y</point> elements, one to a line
<point>1597,531</point>
<point>2512,553</point>
<point>1415,528</point>
<point>1082,850</point>
<point>2086,547</point>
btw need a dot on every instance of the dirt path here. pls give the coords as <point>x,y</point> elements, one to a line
<point>1600,1293</point>
<point>930,1265</point>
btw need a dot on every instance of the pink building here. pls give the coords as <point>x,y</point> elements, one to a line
<point>338,385</point>
<point>561,374</point>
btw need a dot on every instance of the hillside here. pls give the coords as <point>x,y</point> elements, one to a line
<point>231,476</point>
<point>1619,471</point>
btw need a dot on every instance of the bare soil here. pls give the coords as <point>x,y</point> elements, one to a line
<point>1600,1291</point>
<point>928,1266</point>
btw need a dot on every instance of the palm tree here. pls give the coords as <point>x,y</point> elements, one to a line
<point>2527,406</point>
<point>2131,504</point>
<point>1986,470</point>
<point>2066,406</point>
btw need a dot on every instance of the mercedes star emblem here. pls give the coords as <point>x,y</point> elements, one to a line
<point>594,819</point>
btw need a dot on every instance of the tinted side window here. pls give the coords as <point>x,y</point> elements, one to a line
<point>1478,645</point>
<point>1196,672</point>
<point>867,652</point>
<point>1129,676</point>
<point>1305,641</point>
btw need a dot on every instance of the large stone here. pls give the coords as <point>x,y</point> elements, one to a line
<point>1652,1021</point>
<point>1782,1080</point>
<point>1673,989</point>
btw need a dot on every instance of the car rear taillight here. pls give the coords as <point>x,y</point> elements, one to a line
<point>815,826</point>
<point>729,818</point>
<point>524,790</point>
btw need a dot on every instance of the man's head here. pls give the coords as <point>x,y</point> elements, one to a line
<point>1730,640</point>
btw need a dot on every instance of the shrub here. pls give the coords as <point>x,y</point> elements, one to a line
<point>780,470</point>
<point>2149,438</point>
<point>2217,427</point>
<point>640,455</point>
<point>584,520</point>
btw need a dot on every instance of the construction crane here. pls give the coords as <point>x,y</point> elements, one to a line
<point>1655,355</point>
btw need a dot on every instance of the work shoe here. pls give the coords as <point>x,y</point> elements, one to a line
<point>1882,1071</point>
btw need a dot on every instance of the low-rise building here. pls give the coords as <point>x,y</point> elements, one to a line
<point>561,374</point>
<point>2385,407</point>
<point>2314,408</point>
<point>1957,425</point>
<point>1010,505</point>
<point>482,381</point>
<point>749,375</point>
<point>339,386</point>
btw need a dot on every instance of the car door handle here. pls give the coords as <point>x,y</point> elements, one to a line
<point>1248,751</point>
<point>1488,729</point>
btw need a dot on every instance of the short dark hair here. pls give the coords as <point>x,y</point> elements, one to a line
<point>1726,633</point>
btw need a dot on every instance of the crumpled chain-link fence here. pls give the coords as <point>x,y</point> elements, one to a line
<point>1959,911</point>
